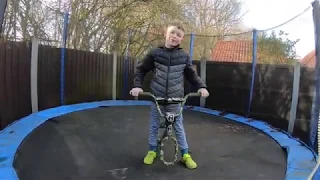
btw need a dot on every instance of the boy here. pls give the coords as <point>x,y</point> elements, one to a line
<point>170,63</point>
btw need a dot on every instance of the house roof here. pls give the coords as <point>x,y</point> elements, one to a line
<point>232,51</point>
<point>309,60</point>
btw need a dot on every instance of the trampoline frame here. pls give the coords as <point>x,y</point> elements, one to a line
<point>300,158</point>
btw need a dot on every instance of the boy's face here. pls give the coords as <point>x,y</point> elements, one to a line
<point>173,36</point>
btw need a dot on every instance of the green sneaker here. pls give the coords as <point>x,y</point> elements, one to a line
<point>186,158</point>
<point>150,157</point>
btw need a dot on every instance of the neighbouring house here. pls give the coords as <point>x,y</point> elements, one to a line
<point>241,51</point>
<point>309,60</point>
<point>232,51</point>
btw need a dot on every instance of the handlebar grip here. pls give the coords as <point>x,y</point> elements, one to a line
<point>194,94</point>
<point>144,94</point>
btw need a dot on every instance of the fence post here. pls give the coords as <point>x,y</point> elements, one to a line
<point>254,61</point>
<point>295,97</point>
<point>114,76</point>
<point>316,96</point>
<point>62,65</point>
<point>34,74</point>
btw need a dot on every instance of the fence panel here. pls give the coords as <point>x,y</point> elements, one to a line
<point>88,76</point>
<point>121,93</point>
<point>130,75</point>
<point>272,94</point>
<point>306,90</point>
<point>15,60</point>
<point>48,77</point>
<point>229,86</point>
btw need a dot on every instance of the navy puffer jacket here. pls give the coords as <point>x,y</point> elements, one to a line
<point>170,67</point>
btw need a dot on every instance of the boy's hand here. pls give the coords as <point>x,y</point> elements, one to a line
<point>135,91</point>
<point>204,92</point>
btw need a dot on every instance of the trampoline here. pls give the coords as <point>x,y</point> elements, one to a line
<point>108,140</point>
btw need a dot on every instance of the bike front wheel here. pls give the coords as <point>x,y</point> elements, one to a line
<point>162,144</point>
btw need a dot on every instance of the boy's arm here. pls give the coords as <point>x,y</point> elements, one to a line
<point>142,69</point>
<point>192,76</point>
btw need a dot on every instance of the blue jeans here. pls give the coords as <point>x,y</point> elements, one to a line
<point>178,126</point>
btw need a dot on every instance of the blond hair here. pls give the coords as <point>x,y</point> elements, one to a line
<point>176,24</point>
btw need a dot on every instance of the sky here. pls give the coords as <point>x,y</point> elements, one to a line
<point>265,14</point>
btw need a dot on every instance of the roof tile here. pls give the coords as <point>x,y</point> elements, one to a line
<point>309,60</point>
<point>232,51</point>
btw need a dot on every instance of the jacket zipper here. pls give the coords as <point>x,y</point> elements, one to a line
<point>167,81</point>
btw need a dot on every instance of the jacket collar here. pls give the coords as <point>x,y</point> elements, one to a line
<point>162,46</point>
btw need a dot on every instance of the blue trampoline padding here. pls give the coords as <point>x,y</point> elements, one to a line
<point>300,161</point>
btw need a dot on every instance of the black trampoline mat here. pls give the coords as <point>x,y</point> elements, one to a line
<point>110,144</point>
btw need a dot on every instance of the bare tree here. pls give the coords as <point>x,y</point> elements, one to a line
<point>106,25</point>
<point>212,19</point>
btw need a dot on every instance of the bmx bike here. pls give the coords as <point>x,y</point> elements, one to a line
<point>170,118</point>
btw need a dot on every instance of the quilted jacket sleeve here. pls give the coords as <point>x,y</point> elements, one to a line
<point>144,66</point>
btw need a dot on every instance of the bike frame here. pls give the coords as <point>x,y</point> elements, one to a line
<point>170,118</point>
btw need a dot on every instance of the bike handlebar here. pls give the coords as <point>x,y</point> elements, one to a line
<point>170,100</point>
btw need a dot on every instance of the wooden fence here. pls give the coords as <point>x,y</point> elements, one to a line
<point>14,81</point>
<point>89,77</point>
